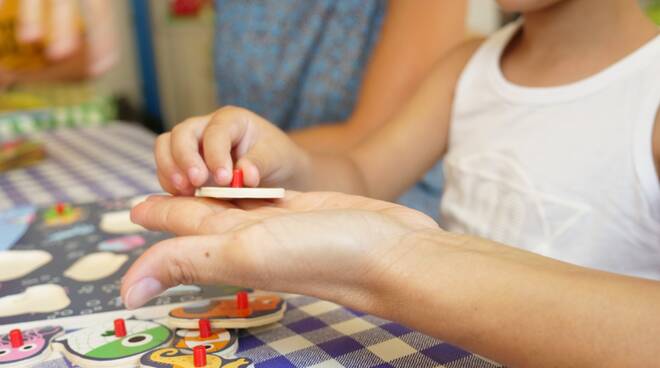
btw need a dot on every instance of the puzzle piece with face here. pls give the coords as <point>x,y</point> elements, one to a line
<point>220,341</point>
<point>35,347</point>
<point>105,346</point>
<point>254,311</point>
<point>177,358</point>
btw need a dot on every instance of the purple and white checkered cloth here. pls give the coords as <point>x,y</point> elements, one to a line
<point>116,161</point>
<point>85,164</point>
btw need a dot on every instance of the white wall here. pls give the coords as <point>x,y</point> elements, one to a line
<point>184,57</point>
<point>483,16</point>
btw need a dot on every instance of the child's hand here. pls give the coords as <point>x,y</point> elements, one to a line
<point>331,245</point>
<point>204,149</point>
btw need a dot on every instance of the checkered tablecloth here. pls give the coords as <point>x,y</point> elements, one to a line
<point>85,164</point>
<point>116,160</point>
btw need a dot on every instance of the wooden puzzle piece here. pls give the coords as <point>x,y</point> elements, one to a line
<point>112,344</point>
<point>216,341</point>
<point>122,244</point>
<point>95,266</point>
<point>26,348</point>
<point>14,222</point>
<point>240,193</point>
<point>62,214</point>
<point>177,358</point>
<point>237,191</point>
<point>15,264</point>
<point>119,222</point>
<point>35,299</point>
<point>241,312</point>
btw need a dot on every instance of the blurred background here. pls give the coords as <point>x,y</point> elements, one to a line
<point>151,63</point>
<point>156,70</point>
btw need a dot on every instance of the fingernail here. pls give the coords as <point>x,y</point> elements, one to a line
<point>193,174</point>
<point>222,176</point>
<point>142,291</point>
<point>177,179</point>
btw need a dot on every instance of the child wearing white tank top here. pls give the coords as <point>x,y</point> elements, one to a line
<point>549,130</point>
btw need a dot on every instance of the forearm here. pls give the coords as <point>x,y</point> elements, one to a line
<point>519,308</point>
<point>328,138</point>
<point>322,172</point>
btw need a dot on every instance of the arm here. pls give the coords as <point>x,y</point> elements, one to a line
<point>402,150</point>
<point>414,36</point>
<point>522,309</point>
<point>382,166</point>
<point>509,305</point>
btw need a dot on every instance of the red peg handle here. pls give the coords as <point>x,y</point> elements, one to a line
<point>242,300</point>
<point>120,327</point>
<point>237,179</point>
<point>199,356</point>
<point>16,338</point>
<point>204,328</point>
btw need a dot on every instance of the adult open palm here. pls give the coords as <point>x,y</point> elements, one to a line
<point>323,244</point>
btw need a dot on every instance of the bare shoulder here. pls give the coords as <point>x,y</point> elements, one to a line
<point>458,57</point>
<point>656,144</point>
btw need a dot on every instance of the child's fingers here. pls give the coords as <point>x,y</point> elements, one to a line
<point>185,147</point>
<point>171,178</point>
<point>226,130</point>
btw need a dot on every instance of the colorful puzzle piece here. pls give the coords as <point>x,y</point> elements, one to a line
<point>122,243</point>
<point>62,214</point>
<point>177,358</point>
<point>118,343</point>
<point>26,348</point>
<point>241,312</point>
<point>216,341</point>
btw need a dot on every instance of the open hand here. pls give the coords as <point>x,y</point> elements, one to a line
<point>328,245</point>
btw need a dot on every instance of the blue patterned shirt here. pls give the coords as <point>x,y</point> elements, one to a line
<point>300,63</point>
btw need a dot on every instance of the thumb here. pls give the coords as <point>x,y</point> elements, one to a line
<point>184,260</point>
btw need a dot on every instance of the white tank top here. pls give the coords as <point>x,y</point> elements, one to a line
<point>566,171</point>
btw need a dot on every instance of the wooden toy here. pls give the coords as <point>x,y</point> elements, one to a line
<point>112,344</point>
<point>218,341</point>
<point>62,214</point>
<point>237,191</point>
<point>20,153</point>
<point>177,358</point>
<point>26,348</point>
<point>241,312</point>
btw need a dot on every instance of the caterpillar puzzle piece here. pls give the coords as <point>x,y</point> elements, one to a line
<point>27,348</point>
<point>118,344</point>
<point>237,191</point>
<point>243,312</point>
<point>216,341</point>
<point>178,358</point>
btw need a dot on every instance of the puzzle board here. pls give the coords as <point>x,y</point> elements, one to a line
<point>68,243</point>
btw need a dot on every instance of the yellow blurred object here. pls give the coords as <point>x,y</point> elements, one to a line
<point>20,101</point>
<point>18,55</point>
<point>14,55</point>
<point>20,153</point>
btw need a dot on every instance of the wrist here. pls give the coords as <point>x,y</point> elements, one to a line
<point>425,280</point>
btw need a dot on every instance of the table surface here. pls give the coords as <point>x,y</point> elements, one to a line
<point>116,160</point>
